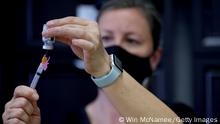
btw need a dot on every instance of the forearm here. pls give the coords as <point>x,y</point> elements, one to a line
<point>133,100</point>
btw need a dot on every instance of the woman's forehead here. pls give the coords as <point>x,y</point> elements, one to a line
<point>123,19</point>
<point>132,14</point>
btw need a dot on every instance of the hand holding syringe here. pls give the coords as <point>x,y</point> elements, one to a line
<point>48,45</point>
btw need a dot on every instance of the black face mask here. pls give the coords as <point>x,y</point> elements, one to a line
<point>139,68</point>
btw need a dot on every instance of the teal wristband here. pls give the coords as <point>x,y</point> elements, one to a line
<point>110,77</point>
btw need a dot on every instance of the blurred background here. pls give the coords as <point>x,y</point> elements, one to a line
<point>189,72</point>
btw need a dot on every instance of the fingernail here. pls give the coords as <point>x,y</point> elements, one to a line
<point>35,96</point>
<point>50,23</point>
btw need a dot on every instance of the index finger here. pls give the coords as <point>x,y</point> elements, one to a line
<point>67,20</point>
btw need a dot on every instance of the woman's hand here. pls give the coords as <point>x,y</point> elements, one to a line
<point>22,108</point>
<point>83,36</point>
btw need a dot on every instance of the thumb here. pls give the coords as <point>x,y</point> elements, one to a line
<point>27,92</point>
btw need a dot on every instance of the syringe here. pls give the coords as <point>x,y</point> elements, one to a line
<point>42,67</point>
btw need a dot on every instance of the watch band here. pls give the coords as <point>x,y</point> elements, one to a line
<point>109,78</point>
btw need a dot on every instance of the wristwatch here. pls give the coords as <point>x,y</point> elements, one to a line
<point>110,77</point>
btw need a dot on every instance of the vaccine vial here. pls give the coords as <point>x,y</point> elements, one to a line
<point>48,41</point>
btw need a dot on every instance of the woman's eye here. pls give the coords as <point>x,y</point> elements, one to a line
<point>133,41</point>
<point>106,38</point>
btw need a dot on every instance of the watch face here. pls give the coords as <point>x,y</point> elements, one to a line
<point>117,63</point>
